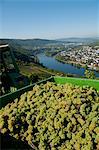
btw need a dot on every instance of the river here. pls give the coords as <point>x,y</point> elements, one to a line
<point>52,63</point>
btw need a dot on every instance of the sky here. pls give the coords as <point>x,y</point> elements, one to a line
<point>50,19</point>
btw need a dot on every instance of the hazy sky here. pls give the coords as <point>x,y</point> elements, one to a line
<point>49,19</point>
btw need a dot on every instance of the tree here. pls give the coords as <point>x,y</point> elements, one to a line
<point>89,74</point>
<point>86,67</point>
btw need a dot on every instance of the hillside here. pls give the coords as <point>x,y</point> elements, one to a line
<point>27,43</point>
<point>78,40</point>
<point>20,53</point>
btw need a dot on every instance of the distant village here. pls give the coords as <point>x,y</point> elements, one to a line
<point>85,56</point>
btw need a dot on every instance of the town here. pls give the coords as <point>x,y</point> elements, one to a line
<point>85,56</point>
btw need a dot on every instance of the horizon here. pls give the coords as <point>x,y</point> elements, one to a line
<point>49,19</point>
<point>96,37</point>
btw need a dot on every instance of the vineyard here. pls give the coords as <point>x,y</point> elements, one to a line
<point>54,117</point>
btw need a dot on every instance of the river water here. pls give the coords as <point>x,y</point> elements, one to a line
<point>52,63</point>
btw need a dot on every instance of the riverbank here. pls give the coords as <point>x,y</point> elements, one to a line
<point>76,64</point>
<point>61,66</point>
<point>42,72</point>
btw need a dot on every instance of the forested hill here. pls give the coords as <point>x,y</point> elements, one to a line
<point>23,49</point>
<point>27,43</point>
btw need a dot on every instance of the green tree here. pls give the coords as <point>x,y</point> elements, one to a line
<point>86,67</point>
<point>89,74</point>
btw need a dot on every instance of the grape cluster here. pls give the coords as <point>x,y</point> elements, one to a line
<point>54,117</point>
